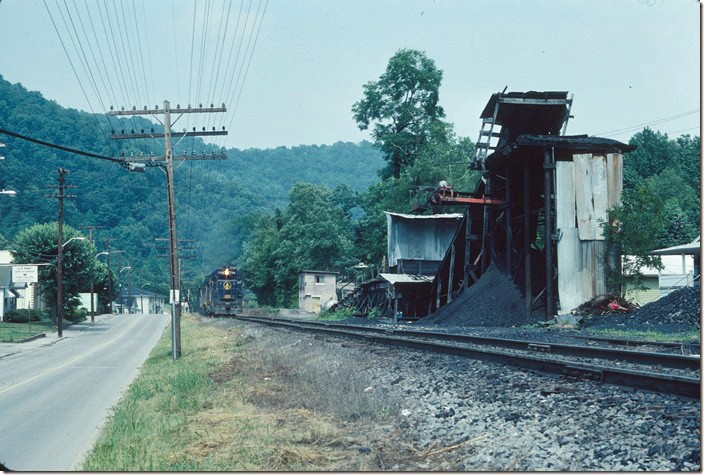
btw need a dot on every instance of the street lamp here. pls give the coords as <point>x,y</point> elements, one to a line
<point>129,274</point>
<point>108,252</point>
<point>59,283</point>
<point>77,238</point>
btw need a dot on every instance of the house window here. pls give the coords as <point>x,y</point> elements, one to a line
<point>319,279</point>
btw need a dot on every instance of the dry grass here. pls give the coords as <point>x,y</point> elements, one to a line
<point>237,402</point>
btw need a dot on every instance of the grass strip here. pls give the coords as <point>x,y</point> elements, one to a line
<point>12,332</point>
<point>180,416</point>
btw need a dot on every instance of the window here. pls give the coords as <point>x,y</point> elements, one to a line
<point>319,279</point>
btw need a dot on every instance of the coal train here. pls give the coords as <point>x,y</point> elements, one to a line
<point>222,293</point>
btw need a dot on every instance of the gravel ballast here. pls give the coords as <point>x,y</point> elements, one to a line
<point>462,414</point>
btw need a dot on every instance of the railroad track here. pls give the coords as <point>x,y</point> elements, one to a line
<point>526,354</point>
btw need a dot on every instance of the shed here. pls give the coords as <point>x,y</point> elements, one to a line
<point>316,289</point>
<point>417,244</point>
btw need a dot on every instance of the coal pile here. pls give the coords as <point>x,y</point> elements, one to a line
<point>679,308</point>
<point>492,301</point>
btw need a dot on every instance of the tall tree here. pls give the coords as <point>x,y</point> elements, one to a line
<point>37,245</point>
<point>402,105</point>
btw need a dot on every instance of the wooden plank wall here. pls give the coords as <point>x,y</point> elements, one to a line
<point>585,189</point>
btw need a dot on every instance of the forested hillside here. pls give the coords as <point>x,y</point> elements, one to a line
<point>212,196</point>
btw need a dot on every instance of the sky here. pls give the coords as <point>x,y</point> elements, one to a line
<point>627,62</point>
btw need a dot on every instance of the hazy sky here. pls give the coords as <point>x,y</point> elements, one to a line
<point>627,62</point>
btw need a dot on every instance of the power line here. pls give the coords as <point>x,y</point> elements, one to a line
<point>653,122</point>
<point>73,68</point>
<point>60,147</point>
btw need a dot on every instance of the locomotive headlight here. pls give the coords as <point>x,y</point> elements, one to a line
<point>227,271</point>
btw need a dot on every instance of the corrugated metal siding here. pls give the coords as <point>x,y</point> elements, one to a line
<point>424,239</point>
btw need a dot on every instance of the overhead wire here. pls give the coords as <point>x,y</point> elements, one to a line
<point>652,122</point>
<point>80,83</point>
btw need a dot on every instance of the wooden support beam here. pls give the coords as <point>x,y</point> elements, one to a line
<point>507,215</point>
<point>467,237</point>
<point>451,278</point>
<point>549,167</point>
<point>526,238</point>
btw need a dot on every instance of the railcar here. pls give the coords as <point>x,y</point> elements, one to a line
<point>222,293</point>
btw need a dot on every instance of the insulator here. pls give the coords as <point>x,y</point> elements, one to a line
<point>132,130</point>
<point>223,105</point>
<point>213,129</point>
<point>203,129</point>
<point>211,105</point>
<point>152,130</point>
<point>123,107</point>
<point>178,106</point>
<point>200,105</point>
<point>141,154</point>
<point>189,106</point>
<point>223,127</point>
<point>112,131</point>
<point>142,130</point>
<point>145,107</point>
<point>110,107</point>
<point>123,131</point>
<point>156,107</point>
<point>134,108</point>
<point>194,129</point>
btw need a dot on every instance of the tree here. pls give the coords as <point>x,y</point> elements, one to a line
<point>654,153</point>
<point>402,106</point>
<point>633,236</point>
<point>313,232</point>
<point>38,245</point>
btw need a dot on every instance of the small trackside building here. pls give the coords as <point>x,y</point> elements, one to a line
<point>316,288</point>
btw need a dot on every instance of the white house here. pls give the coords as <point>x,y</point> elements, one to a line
<point>316,288</point>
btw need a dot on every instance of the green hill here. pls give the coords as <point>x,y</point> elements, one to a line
<point>212,197</point>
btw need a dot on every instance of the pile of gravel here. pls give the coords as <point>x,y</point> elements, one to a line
<point>678,310</point>
<point>493,300</point>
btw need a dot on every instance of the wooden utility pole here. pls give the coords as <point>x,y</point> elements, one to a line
<point>92,284</point>
<point>59,259</point>
<point>168,158</point>
<point>107,248</point>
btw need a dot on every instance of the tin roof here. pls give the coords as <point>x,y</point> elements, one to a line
<point>430,216</point>
<point>406,278</point>
<point>693,247</point>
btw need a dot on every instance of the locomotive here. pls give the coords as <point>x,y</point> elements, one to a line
<point>222,293</point>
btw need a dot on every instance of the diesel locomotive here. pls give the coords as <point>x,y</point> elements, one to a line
<point>222,293</point>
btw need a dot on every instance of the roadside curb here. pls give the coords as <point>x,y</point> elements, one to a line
<point>30,338</point>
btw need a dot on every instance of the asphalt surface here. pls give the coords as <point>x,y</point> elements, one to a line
<point>55,394</point>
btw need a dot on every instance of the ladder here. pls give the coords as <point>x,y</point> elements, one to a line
<point>483,145</point>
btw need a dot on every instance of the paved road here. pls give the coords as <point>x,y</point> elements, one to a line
<point>54,398</point>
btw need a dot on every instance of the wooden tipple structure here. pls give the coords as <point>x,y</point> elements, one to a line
<point>536,214</point>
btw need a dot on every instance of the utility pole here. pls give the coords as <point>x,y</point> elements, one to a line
<point>119,282</point>
<point>92,284</point>
<point>129,282</point>
<point>168,159</point>
<point>59,263</point>
<point>107,248</point>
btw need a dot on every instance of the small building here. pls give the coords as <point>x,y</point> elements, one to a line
<point>136,300</point>
<point>417,243</point>
<point>316,289</point>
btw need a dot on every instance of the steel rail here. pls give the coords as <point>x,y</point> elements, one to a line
<point>665,360</point>
<point>650,381</point>
<point>689,346</point>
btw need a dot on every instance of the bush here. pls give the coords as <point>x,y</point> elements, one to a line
<point>76,316</point>
<point>22,316</point>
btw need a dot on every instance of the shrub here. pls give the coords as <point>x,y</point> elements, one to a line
<point>22,316</point>
<point>76,316</point>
